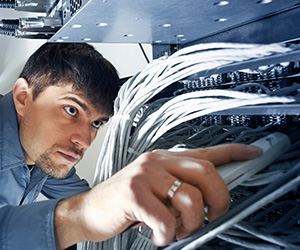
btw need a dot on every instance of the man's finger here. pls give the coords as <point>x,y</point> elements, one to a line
<point>203,175</point>
<point>219,154</point>
<point>188,202</point>
<point>158,217</point>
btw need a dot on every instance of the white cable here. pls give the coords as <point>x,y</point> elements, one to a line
<point>164,120</point>
<point>157,76</point>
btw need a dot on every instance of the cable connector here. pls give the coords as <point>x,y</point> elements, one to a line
<point>33,23</point>
<point>273,146</point>
<point>41,6</point>
<point>40,27</point>
<point>36,27</point>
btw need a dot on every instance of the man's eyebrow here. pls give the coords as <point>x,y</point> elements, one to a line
<point>81,104</point>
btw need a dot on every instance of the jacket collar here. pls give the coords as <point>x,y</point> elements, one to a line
<point>11,153</point>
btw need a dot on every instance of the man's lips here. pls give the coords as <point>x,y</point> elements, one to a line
<point>69,156</point>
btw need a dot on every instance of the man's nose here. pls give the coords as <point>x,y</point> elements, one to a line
<point>82,137</point>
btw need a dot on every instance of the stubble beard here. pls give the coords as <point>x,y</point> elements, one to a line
<point>48,166</point>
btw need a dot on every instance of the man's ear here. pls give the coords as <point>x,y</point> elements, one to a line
<point>21,92</point>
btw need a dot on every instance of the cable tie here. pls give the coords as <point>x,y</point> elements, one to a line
<point>132,151</point>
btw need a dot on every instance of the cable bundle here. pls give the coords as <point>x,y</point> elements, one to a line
<point>188,107</point>
<point>132,133</point>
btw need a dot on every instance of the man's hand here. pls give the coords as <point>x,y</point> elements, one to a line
<point>139,193</point>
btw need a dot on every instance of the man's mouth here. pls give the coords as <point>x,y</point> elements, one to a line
<point>69,156</point>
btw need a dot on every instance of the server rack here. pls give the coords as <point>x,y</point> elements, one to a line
<point>159,121</point>
<point>171,26</point>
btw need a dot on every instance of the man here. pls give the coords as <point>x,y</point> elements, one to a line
<point>64,94</point>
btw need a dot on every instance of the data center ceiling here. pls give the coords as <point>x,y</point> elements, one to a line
<point>159,22</point>
<point>173,21</point>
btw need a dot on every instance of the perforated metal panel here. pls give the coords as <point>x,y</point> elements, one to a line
<point>165,22</point>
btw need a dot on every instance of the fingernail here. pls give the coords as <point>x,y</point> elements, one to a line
<point>254,149</point>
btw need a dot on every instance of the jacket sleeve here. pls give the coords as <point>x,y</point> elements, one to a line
<point>64,188</point>
<point>28,226</point>
<point>31,226</point>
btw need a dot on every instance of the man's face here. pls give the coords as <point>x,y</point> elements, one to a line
<point>57,128</point>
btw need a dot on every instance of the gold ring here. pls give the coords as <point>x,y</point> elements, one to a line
<point>173,188</point>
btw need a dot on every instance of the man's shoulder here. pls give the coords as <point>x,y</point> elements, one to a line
<point>2,97</point>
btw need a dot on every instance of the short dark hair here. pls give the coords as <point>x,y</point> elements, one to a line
<point>77,63</point>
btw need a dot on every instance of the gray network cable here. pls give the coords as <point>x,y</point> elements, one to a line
<point>123,146</point>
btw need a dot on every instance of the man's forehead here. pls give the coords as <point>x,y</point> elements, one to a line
<point>89,103</point>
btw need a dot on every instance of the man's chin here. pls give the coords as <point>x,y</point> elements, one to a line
<point>57,172</point>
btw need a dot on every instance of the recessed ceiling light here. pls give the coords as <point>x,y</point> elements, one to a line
<point>76,26</point>
<point>264,1</point>
<point>221,20</point>
<point>101,24</point>
<point>221,3</point>
<point>165,25</point>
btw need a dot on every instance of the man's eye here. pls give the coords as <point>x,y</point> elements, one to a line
<point>96,124</point>
<point>71,110</point>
